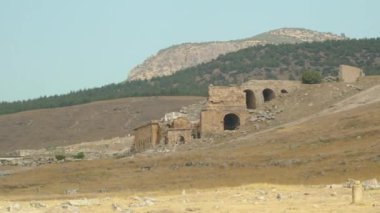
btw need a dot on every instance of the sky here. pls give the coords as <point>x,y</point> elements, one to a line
<point>50,47</point>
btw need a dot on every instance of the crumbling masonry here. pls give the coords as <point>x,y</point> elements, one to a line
<point>227,108</point>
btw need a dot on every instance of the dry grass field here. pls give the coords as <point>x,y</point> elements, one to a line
<point>299,155</point>
<point>89,122</point>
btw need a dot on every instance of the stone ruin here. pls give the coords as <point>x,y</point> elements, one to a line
<point>227,108</point>
<point>349,74</point>
<point>168,132</point>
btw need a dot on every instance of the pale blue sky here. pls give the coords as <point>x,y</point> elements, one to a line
<point>52,47</point>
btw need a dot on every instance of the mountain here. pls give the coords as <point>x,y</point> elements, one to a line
<point>170,60</point>
<point>283,61</point>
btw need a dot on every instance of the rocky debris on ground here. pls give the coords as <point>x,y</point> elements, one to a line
<point>71,191</point>
<point>355,87</point>
<point>269,113</point>
<point>37,205</point>
<point>66,208</point>
<point>193,111</point>
<point>83,202</point>
<point>142,202</point>
<point>13,207</point>
<point>286,162</point>
<point>330,78</point>
<point>3,173</point>
<point>118,208</point>
<point>371,184</point>
<point>117,147</point>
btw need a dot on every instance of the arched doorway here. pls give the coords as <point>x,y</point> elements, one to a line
<point>231,121</point>
<point>181,140</point>
<point>250,99</point>
<point>268,94</point>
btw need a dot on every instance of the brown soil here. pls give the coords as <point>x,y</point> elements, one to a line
<point>89,122</point>
<point>328,148</point>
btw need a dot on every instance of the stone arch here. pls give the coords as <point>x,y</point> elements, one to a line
<point>268,94</point>
<point>231,121</point>
<point>250,99</point>
<point>181,140</point>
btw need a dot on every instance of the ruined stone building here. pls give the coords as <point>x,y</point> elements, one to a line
<point>227,108</point>
<point>349,74</point>
<point>179,130</point>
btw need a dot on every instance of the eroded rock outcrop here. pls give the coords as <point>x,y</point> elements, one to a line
<point>170,60</point>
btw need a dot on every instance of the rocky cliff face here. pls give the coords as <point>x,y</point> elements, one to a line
<point>178,57</point>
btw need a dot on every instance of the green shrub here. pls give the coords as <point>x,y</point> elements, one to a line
<point>311,77</point>
<point>60,157</point>
<point>79,155</point>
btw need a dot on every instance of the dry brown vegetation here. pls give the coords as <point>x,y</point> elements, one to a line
<point>325,148</point>
<point>89,122</point>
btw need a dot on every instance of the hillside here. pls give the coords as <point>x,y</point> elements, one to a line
<point>170,60</point>
<point>283,61</point>
<point>326,142</point>
<point>90,122</point>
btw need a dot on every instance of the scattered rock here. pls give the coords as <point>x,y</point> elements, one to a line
<point>260,198</point>
<point>3,173</point>
<point>279,196</point>
<point>371,184</point>
<point>68,208</point>
<point>84,202</point>
<point>192,209</point>
<point>37,205</point>
<point>146,201</point>
<point>71,191</point>
<point>14,207</point>
<point>118,208</point>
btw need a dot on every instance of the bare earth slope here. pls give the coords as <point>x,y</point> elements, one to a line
<point>89,122</point>
<point>172,59</point>
<point>247,170</point>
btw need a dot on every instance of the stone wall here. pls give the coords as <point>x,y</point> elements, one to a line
<point>239,100</point>
<point>181,123</point>
<point>349,74</point>
<point>212,121</point>
<point>146,136</point>
<point>277,87</point>
<point>224,96</point>
<point>178,136</point>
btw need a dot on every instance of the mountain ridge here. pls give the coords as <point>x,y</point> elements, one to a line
<point>169,60</point>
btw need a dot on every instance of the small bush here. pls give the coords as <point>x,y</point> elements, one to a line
<point>60,157</point>
<point>79,155</point>
<point>311,77</point>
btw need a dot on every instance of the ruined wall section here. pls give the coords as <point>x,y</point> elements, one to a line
<point>224,100</point>
<point>178,136</point>
<point>146,136</point>
<point>181,123</point>
<point>349,74</point>
<point>212,121</point>
<point>224,97</point>
<point>278,87</point>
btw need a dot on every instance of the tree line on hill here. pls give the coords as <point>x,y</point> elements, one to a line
<point>283,61</point>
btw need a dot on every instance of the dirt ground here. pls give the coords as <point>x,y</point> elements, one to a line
<point>246,198</point>
<point>83,123</point>
<point>287,165</point>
